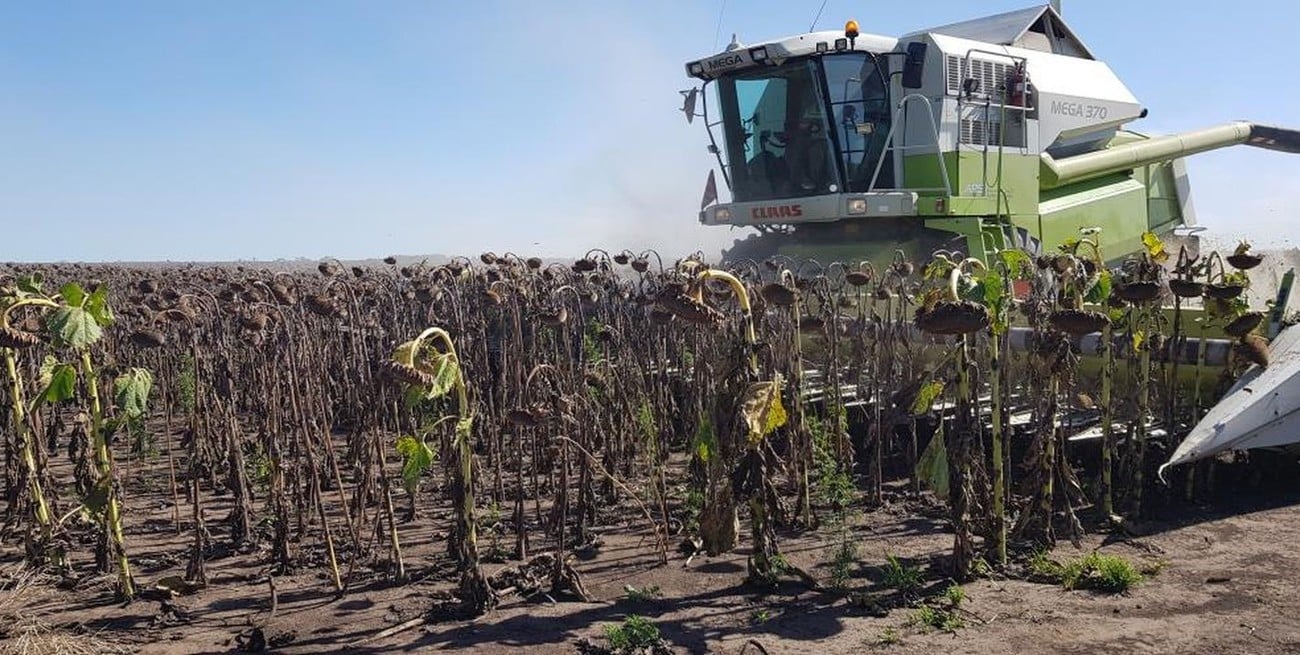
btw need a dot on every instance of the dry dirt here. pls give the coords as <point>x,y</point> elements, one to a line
<point>1228,586</point>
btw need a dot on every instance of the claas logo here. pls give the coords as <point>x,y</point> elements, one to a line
<point>778,211</point>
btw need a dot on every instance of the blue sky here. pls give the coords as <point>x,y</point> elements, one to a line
<point>260,130</point>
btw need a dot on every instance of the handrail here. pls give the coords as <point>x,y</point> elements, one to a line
<point>889,145</point>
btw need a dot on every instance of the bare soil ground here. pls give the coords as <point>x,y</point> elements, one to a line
<point>1228,586</point>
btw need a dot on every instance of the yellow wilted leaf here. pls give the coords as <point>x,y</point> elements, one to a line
<point>1155,247</point>
<point>776,416</point>
<point>926,396</point>
<point>1139,338</point>
<point>762,409</point>
<point>405,353</point>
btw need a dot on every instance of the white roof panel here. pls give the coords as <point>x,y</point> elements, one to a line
<point>1010,29</point>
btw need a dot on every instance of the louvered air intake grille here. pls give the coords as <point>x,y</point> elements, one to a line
<point>990,75</point>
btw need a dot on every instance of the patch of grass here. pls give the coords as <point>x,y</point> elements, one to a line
<point>641,594</point>
<point>900,576</point>
<point>937,618</point>
<point>1108,573</point>
<point>1152,569</point>
<point>955,595</point>
<point>889,637</point>
<point>635,634</point>
<point>1043,567</point>
<point>759,616</point>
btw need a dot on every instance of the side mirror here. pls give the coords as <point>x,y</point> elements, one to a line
<point>914,65</point>
<point>688,103</point>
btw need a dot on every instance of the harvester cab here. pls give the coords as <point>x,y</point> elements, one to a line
<point>999,132</point>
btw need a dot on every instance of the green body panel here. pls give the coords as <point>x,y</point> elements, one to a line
<point>1113,204</point>
<point>1164,211</point>
<point>994,197</point>
<point>973,176</point>
<point>1053,216</point>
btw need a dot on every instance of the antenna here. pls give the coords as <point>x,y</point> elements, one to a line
<point>717,31</point>
<point>818,16</point>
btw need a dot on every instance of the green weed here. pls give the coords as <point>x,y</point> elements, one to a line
<point>641,594</point>
<point>842,562</point>
<point>1043,567</point>
<point>900,576</point>
<point>1152,569</point>
<point>955,595</point>
<point>1108,573</point>
<point>889,637</point>
<point>635,634</point>
<point>834,485</point>
<point>928,616</point>
<point>780,565</point>
<point>693,505</point>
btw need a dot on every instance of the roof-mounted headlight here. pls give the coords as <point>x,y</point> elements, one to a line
<point>758,54</point>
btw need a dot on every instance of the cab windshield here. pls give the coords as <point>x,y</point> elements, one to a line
<point>807,127</point>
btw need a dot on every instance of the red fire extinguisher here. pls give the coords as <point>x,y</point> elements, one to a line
<point>1017,86</point>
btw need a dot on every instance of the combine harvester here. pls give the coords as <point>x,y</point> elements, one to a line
<point>996,133</point>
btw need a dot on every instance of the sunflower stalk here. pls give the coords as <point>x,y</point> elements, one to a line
<point>44,551</point>
<point>112,516</point>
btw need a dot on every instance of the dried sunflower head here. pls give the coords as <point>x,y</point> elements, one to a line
<point>686,307</point>
<point>857,278</point>
<point>778,295</point>
<point>283,294</point>
<point>17,339</point>
<point>554,317</point>
<point>1254,348</point>
<point>254,322</point>
<point>323,305</point>
<point>405,373</point>
<point>148,338</point>
<point>952,318</point>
